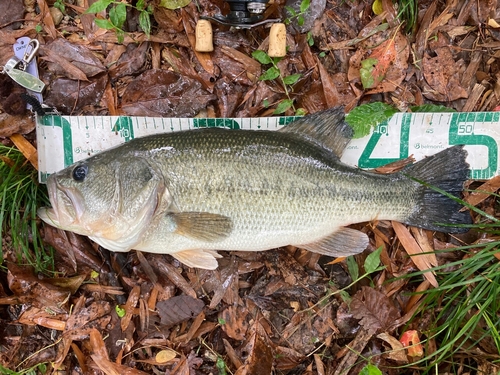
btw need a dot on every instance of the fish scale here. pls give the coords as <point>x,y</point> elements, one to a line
<point>192,193</point>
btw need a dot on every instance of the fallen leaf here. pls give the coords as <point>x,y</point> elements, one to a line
<point>375,309</point>
<point>421,260</point>
<point>442,77</point>
<point>168,95</point>
<point>178,309</point>
<point>397,353</point>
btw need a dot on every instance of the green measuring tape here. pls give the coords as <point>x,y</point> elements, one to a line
<point>63,140</point>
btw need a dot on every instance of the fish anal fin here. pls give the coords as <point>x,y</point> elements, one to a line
<point>326,128</point>
<point>202,226</point>
<point>196,258</point>
<point>341,243</point>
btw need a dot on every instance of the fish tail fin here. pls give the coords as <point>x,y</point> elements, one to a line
<point>445,171</point>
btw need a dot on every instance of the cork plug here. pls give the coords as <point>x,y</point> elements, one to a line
<point>204,36</point>
<point>277,40</point>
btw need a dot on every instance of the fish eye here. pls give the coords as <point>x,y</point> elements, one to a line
<point>80,172</point>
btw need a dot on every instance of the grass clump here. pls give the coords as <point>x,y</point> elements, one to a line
<point>20,197</point>
<point>464,309</point>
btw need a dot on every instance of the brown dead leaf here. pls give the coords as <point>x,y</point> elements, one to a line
<point>74,61</point>
<point>129,307</point>
<point>68,95</point>
<point>15,124</point>
<point>26,148</point>
<point>48,22</point>
<point>375,309</point>
<point>235,321</point>
<point>442,77</point>
<point>422,261</point>
<point>168,95</point>
<point>260,353</point>
<point>398,351</point>
<point>482,192</point>
<point>112,368</point>
<point>178,309</point>
<point>328,84</point>
<point>131,62</point>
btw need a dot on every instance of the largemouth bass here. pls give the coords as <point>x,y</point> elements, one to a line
<point>194,192</point>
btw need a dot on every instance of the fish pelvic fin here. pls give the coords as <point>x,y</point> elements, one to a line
<point>326,128</point>
<point>202,226</point>
<point>204,259</point>
<point>446,171</point>
<point>341,243</point>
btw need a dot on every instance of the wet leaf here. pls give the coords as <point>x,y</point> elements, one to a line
<point>169,95</point>
<point>178,309</point>
<point>174,4</point>
<point>375,309</point>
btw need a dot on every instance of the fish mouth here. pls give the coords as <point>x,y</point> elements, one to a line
<point>67,206</point>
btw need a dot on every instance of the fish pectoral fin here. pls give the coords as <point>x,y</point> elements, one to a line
<point>202,226</point>
<point>198,258</point>
<point>342,243</point>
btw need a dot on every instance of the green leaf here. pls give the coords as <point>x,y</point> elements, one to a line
<point>276,60</point>
<point>261,56</point>
<point>291,79</point>
<point>104,24</point>
<point>366,72</point>
<point>352,267</point>
<point>370,369</point>
<point>300,20</point>
<point>310,39</point>
<point>141,5</point>
<point>145,22</point>
<point>265,103</point>
<point>99,6</point>
<point>283,106</point>
<point>118,15</point>
<point>365,117</point>
<point>174,4</point>
<point>270,74</point>
<point>120,312</point>
<point>120,35</point>
<point>304,5</point>
<point>292,11</point>
<point>300,112</point>
<point>60,5</point>
<point>222,321</point>
<point>372,261</point>
<point>431,108</point>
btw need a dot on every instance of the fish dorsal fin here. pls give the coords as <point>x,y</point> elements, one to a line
<point>342,243</point>
<point>202,226</point>
<point>326,128</point>
<point>204,259</point>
